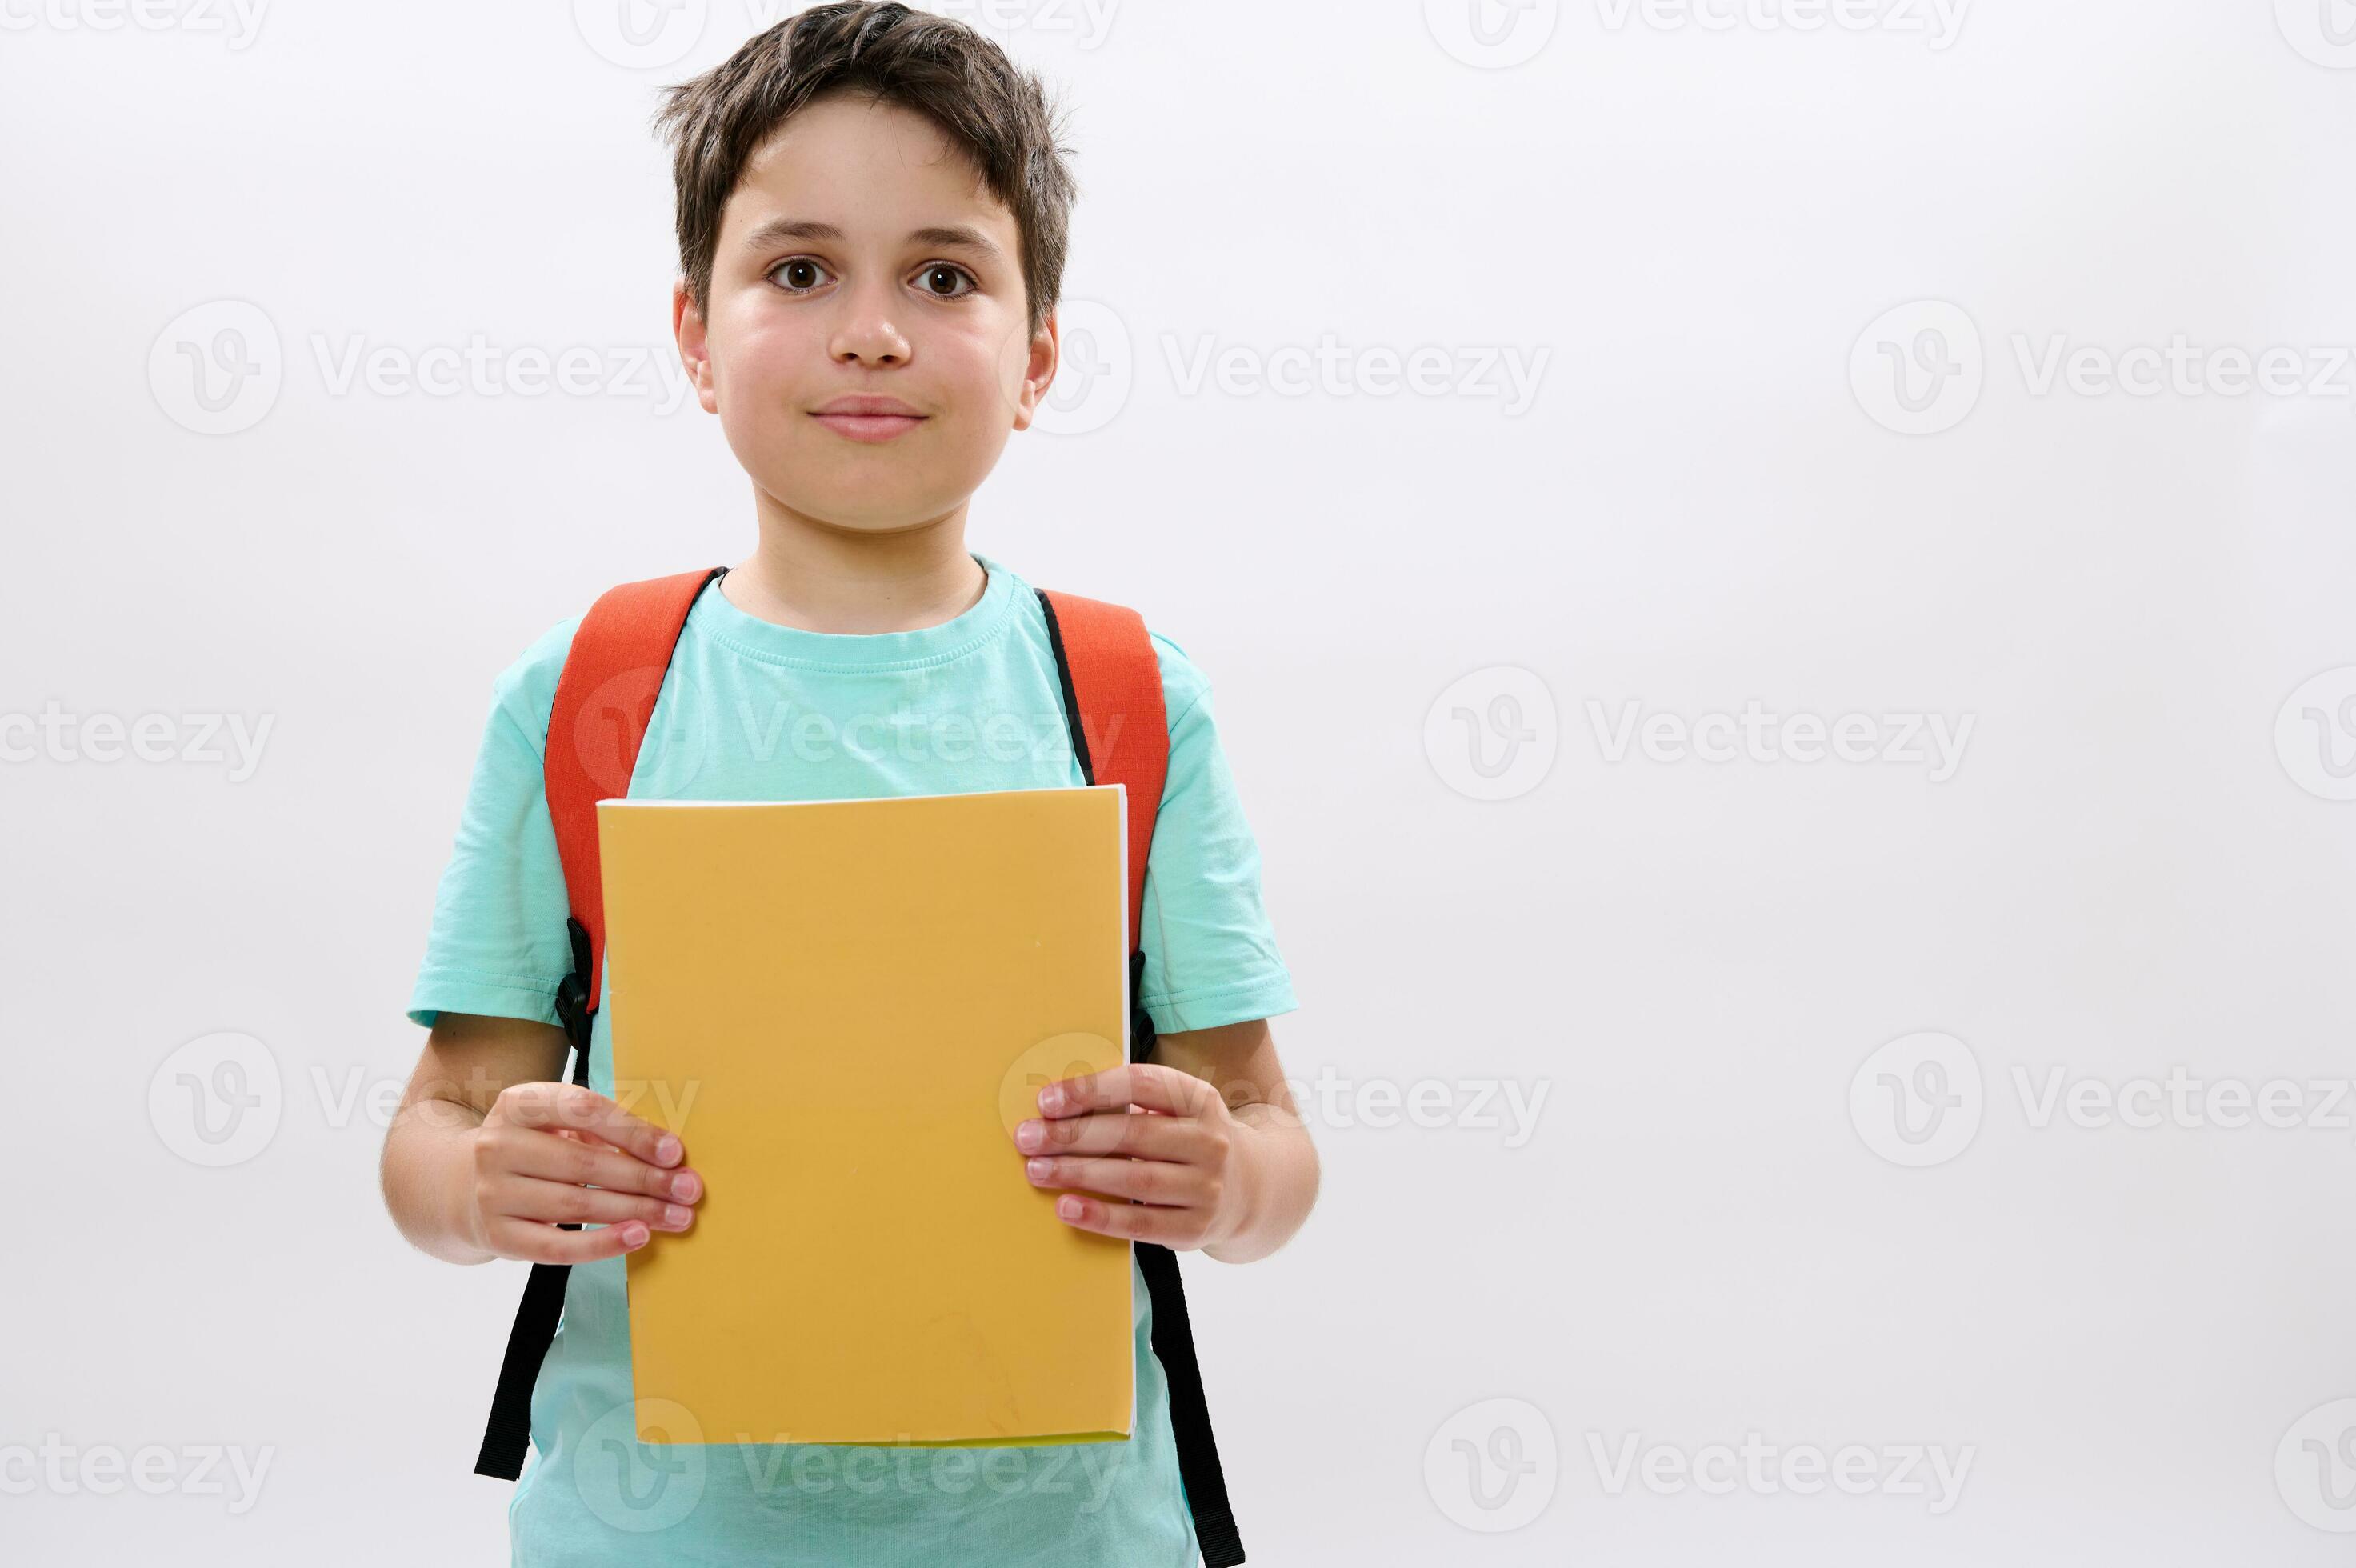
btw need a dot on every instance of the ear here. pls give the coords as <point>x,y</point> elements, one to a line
<point>1039,372</point>
<point>688,325</point>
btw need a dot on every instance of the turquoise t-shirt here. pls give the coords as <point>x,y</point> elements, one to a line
<point>754,711</point>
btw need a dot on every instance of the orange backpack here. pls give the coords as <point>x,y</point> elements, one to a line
<point>1111,689</point>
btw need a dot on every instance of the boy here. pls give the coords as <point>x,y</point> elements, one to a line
<point>871,219</point>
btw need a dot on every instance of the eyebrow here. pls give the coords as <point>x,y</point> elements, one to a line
<point>958,236</point>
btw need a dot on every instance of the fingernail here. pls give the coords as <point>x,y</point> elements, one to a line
<point>666,1152</point>
<point>1068,1208</point>
<point>1052,1098</point>
<point>1038,1170</point>
<point>682,1186</point>
<point>1029,1135</point>
<point>676,1215</point>
<point>634,1235</point>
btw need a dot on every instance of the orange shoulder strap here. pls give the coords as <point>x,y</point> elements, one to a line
<point>604,699</point>
<point>1113,702</point>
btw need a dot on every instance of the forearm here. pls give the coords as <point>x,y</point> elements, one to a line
<point>428,1173</point>
<point>1276,1166</point>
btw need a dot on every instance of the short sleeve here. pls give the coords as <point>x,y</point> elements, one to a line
<point>1210,953</point>
<point>498,945</point>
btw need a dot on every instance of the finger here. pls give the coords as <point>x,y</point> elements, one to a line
<point>1121,1132</point>
<point>1147,1181</point>
<point>532,1243</point>
<point>1131,1221</point>
<point>1148,1085</point>
<point>590,1164</point>
<point>587,1135</point>
<point>563,1203</point>
<point>553,1105</point>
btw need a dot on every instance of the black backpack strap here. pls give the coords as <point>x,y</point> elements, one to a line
<point>1097,699</point>
<point>1173,1346</point>
<point>508,1434</point>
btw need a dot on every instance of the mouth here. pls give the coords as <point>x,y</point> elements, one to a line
<point>868,418</point>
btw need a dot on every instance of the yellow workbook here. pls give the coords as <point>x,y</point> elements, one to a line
<point>842,1008</point>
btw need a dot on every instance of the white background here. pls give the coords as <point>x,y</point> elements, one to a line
<point>1690,960</point>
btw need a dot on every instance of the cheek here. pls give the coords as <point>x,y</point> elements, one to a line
<point>758,358</point>
<point>987,366</point>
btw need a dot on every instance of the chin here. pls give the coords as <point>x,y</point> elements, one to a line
<point>865,509</point>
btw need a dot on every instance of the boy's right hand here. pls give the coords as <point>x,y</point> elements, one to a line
<point>554,1154</point>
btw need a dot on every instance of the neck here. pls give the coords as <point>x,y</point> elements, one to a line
<point>816,577</point>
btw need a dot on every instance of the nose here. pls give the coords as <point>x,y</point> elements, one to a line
<point>866,334</point>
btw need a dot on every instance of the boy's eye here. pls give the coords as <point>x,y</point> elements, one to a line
<point>938,279</point>
<point>796,275</point>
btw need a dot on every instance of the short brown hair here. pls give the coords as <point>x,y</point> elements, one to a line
<point>996,112</point>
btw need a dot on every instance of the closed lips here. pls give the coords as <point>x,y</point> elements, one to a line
<point>891,406</point>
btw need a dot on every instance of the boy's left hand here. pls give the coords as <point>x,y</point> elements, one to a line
<point>1139,1131</point>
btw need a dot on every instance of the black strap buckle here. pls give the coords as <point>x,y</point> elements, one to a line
<point>1142,1037</point>
<point>572,1009</point>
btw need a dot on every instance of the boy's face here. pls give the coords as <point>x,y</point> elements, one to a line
<point>837,276</point>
